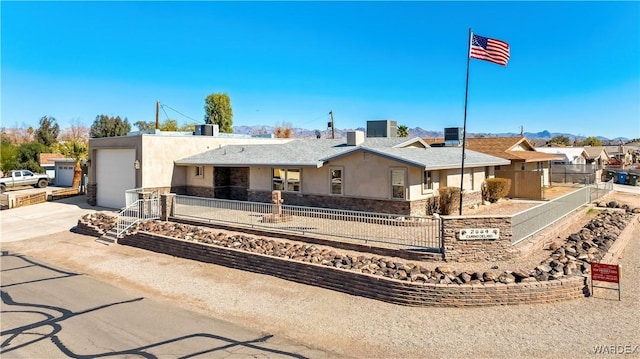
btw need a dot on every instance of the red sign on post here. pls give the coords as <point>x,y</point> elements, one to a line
<point>605,272</point>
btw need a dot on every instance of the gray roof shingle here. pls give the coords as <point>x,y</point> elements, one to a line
<point>317,152</point>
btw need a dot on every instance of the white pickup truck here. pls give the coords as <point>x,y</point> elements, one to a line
<point>23,178</point>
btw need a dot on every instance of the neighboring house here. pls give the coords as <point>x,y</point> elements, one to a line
<point>528,169</point>
<point>569,155</point>
<point>519,151</point>
<point>144,159</point>
<point>597,155</point>
<point>388,175</point>
<point>576,165</point>
<point>46,162</point>
<point>625,154</point>
<point>64,171</point>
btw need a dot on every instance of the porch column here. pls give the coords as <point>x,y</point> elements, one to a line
<point>167,201</point>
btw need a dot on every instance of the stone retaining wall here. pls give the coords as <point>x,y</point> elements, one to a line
<point>87,230</point>
<point>369,286</point>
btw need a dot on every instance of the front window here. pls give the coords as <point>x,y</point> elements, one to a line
<point>199,171</point>
<point>397,184</point>
<point>336,181</point>
<point>285,179</point>
<point>427,181</point>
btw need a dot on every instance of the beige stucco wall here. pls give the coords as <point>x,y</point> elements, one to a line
<point>206,180</point>
<point>473,178</point>
<point>157,154</point>
<point>122,142</point>
<point>368,177</point>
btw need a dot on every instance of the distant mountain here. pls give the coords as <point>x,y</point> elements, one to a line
<point>417,132</point>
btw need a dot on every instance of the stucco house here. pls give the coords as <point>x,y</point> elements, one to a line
<point>568,155</point>
<point>519,151</point>
<point>144,159</point>
<point>376,174</point>
<point>47,163</point>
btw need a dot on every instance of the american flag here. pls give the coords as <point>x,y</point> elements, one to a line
<point>484,48</point>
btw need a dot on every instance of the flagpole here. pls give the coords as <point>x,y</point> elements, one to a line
<point>464,127</point>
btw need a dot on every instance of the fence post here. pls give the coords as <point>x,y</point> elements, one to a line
<point>167,202</point>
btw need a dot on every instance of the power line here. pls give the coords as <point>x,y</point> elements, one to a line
<point>171,108</point>
<point>165,112</point>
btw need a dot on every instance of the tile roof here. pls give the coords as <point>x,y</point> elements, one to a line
<point>505,147</point>
<point>47,158</point>
<point>316,153</point>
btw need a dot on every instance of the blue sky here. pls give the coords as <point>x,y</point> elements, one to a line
<point>575,66</point>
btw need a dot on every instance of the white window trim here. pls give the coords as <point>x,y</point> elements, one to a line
<point>285,181</point>
<point>199,172</point>
<point>430,184</point>
<point>331,179</point>
<point>405,195</point>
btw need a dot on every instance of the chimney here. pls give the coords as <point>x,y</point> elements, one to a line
<point>355,138</point>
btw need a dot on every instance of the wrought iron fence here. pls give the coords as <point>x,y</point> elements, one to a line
<point>535,219</point>
<point>401,231</point>
<point>139,210</point>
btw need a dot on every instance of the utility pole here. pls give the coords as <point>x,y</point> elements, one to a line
<point>333,131</point>
<point>157,113</point>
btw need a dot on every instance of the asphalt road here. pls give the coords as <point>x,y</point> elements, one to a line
<point>49,312</point>
<point>52,313</point>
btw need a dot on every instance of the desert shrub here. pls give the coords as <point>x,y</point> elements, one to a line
<point>495,188</point>
<point>449,199</point>
<point>432,206</point>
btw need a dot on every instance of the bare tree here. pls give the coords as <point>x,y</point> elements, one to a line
<point>77,131</point>
<point>283,130</point>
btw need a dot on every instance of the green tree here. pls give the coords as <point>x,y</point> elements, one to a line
<point>8,155</point>
<point>403,131</point>
<point>145,125</point>
<point>48,132</point>
<point>29,156</point>
<point>105,126</point>
<point>218,111</point>
<point>187,128</point>
<point>560,140</point>
<point>592,141</point>
<point>166,125</point>
<point>78,151</point>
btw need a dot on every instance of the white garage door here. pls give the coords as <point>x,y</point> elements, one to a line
<point>114,175</point>
<point>64,174</point>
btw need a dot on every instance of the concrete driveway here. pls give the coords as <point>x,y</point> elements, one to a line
<point>626,188</point>
<point>43,218</point>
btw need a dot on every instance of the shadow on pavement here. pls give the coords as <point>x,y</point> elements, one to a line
<point>50,327</point>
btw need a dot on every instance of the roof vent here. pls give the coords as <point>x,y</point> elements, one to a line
<point>355,138</point>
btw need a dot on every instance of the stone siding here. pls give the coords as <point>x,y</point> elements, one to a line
<point>477,250</point>
<point>231,192</point>
<point>92,194</point>
<point>198,191</point>
<point>420,208</point>
<point>336,202</point>
<point>365,285</point>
